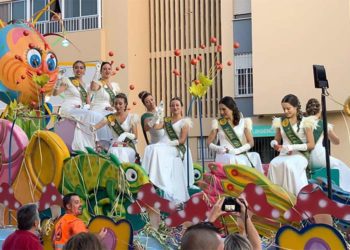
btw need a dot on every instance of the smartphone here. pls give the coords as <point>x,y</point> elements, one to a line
<point>231,205</point>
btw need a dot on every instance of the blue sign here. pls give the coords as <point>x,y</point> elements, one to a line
<point>263,131</point>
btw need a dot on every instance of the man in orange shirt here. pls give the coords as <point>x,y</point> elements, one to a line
<point>69,224</point>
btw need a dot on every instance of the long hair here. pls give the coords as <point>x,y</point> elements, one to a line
<point>177,99</point>
<point>103,64</point>
<point>231,104</point>
<point>143,95</point>
<point>313,107</point>
<point>294,101</point>
<point>121,96</point>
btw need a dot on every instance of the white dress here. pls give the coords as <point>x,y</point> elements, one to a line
<point>125,154</point>
<point>241,158</point>
<point>165,167</point>
<point>318,160</point>
<point>289,171</point>
<point>155,134</point>
<point>100,100</point>
<point>83,137</point>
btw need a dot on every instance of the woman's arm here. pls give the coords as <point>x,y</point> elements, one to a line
<point>333,137</point>
<point>249,137</point>
<point>100,124</point>
<point>212,136</point>
<point>94,86</point>
<point>183,134</point>
<point>134,130</point>
<point>310,139</point>
<point>57,90</point>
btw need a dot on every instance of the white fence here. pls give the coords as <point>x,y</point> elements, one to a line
<point>70,24</point>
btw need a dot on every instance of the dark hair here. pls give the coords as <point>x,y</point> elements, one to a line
<point>79,61</point>
<point>103,64</point>
<point>200,236</point>
<point>237,242</point>
<point>67,198</point>
<point>121,96</point>
<point>294,101</point>
<point>143,95</point>
<point>83,241</point>
<point>177,99</point>
<point>313,107</point>
<point>231,104</point>
<point>26,216</point>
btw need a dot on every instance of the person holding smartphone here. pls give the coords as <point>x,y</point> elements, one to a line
<point>248,236</point>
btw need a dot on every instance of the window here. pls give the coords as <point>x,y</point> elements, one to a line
<point>15,10</point>
<point>38,5</point>
<point>243,56</point>
<point>77,8</point>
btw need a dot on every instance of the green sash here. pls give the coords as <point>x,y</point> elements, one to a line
<point>173,136</point>
<point>318,130</point>
<point>294,139</point>
<point>82,91</point>
<point>115,125</point>
<point>143,118</point>
<point>110,93</point>
<point>232,137</point>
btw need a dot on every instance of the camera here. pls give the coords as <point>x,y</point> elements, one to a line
<point>231,205</point>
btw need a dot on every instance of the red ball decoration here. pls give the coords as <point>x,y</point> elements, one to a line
<point>39,72</point>
<point>132,87</point>
<point>197,82</point>
<point>213,39</point>
<point>134,103</point>
<point>177,52</point>
<point>229,63</point>
<point>219,48</point>
<point>219,67</point>
<point>236,45</point>
<point>117,69</point>
<point>122,66</point>
<point>203,46</point>
<point>25,32</point>
<point>194,61</point>
<point>111,53</point>
<point>199,57</point>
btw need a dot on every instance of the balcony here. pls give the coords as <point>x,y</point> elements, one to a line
<point>70,24</point>
<point>243,75</point>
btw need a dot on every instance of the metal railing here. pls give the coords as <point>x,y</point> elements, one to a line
<point>70,24</point>
<point>243,75</point>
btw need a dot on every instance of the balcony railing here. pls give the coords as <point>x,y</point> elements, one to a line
<point>70,24</point>
<point>243,75</point>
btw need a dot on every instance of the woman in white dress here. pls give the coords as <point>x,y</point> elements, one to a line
<point>168,162</point>
<point>152,116</point>
<point>75,106</point>
<point>289,169</point>
<point>124,127</point>
<point>234,135</point>
<point>103,94</point>
<point>318,155</point>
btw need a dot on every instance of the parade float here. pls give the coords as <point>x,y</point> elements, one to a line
<point>38,166</point>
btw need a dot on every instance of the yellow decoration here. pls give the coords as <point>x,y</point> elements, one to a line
<point>285,122</point>
<point>42,165</point>
<point>223,121</point>
<point>200,87</point>
<point>121,229</point>
<point>315,236</point>
<point>41,80</point>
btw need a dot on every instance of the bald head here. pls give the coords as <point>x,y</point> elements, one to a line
<point>201,236</point>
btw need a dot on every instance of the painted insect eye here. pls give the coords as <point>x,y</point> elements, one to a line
<point>34,58</point>
<point>131,175</point>
<point>51,61</point>
<point>197,174</point>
